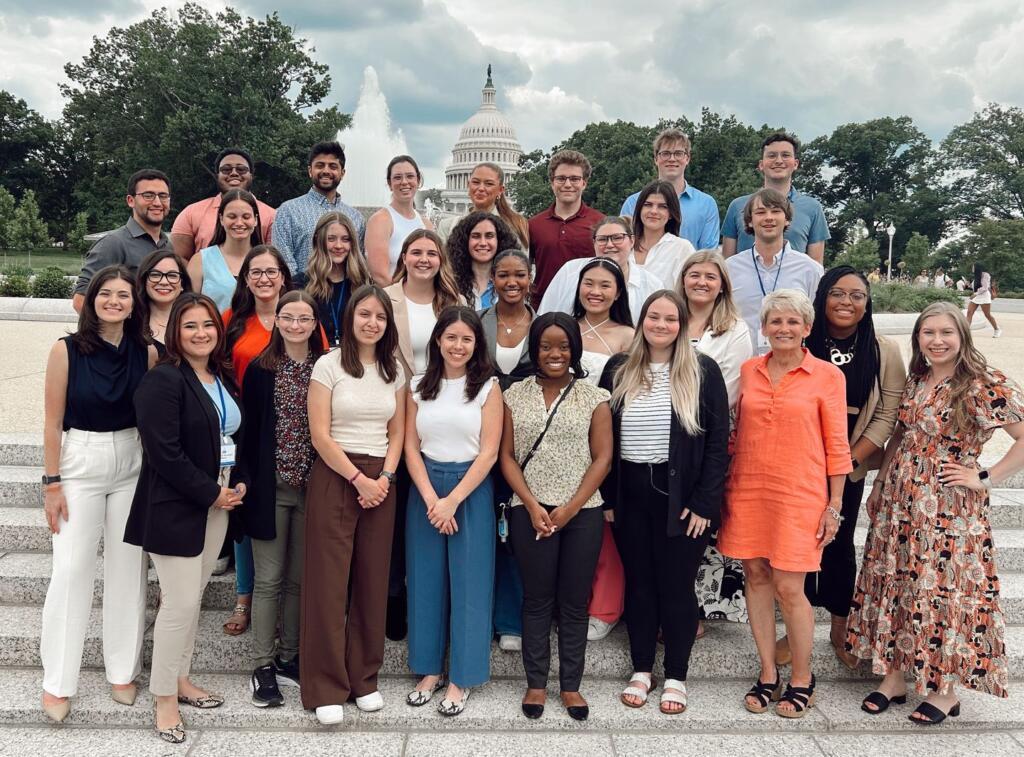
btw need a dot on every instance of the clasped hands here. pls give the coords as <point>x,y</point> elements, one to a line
<point>229,499</point>
<point>371,491</point>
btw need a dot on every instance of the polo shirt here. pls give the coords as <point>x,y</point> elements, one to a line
<point>752,280</point>
<point>807,227</point>
<point>296,219</point>
<point>700,216</point>
<point>199,221</point>
<point>561,292</point>
<point>554,241</point>
<point>127,245</point>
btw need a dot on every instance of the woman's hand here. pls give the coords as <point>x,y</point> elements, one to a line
<point>609,516</point>
<point>369,490</point>
<point>448,528</point>
<point>541,521</point>
<point>874,500</point>
<point>54,506</point>
<point>442,512</point>
<point>228,499</point>
<point>697,525</point>
<point>560,518</point>
<point>954,474</point>
<point>828,525</point>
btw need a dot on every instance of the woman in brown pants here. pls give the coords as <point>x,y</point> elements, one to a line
<point>356,418</point>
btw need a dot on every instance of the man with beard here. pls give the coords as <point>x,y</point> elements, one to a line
<point>296,218</point>
<point>149,197</point>
<point>195,225</point>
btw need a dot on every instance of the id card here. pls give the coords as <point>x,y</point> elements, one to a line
<point>227,452</point>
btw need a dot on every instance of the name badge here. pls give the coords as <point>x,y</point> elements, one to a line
<point>227,452</point>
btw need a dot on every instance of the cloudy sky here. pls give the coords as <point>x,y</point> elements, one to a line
<point>809,64</point>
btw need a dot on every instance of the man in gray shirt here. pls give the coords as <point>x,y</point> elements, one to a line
<point>149,197</point>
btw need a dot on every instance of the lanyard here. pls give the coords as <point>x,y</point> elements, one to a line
<point>336,309</point>
<point>223,408</point>
<point>757,271</point>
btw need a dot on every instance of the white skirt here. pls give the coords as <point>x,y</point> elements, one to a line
<point>982,298</point>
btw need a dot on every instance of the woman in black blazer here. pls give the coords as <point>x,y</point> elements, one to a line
<point>670,419</point>
<point>188,418</point>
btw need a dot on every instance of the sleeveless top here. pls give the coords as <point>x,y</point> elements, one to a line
<point>594,362</point>
<point>101,385</point>
<point>401,228</point>
<point>218,282</point>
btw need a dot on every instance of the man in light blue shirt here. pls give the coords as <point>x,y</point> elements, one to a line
<point>293,226</point>
<point>700,211</point>
<point>808,230</point>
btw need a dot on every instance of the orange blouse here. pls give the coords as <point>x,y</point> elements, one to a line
<point>252,342</point>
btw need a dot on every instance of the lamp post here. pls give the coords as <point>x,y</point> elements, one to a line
<point>891,231</point>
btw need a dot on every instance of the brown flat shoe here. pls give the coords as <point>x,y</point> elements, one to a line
<point>783,654</point>
<point>849,661</point>
<point>238,623</point>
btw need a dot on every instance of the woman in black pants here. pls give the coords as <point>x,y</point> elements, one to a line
<point>671,419</point>
<point>556,449</point>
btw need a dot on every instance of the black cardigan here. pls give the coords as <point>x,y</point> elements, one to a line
<point>697,464</point>
<point>180,431</point>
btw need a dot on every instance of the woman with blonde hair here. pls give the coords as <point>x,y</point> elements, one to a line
<point>335,269</point>
<point>487,193</point>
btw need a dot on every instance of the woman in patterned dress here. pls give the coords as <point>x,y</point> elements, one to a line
<point>927,597</point>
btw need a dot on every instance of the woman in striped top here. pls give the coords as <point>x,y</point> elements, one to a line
<point>670,413</point>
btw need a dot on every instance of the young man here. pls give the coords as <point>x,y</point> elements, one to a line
<point>195,225</point>
<point>700,211</point>
<point>296,218</point>
<point>808,230</point>
<point>562,232</point>
<point>149,197</point>
<point>770,263</point>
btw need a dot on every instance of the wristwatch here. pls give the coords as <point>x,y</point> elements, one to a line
<point>388,475</point>
<point>51,479</point>
<point>985,478</point>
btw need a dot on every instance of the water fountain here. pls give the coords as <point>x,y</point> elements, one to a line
<point>369,145</point>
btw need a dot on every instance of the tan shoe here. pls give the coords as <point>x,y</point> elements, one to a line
<point>57,711</point>
<point>783,654</point>
<point>125,696</point>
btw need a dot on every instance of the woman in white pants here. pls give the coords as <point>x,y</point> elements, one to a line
<point>88,486</point>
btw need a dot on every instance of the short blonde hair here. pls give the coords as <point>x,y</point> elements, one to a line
<point>788,299</point>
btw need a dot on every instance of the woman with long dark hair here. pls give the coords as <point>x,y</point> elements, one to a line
<point>472,245</point>
<point>657,246</point>
<point>215,270</point>
<point>161,277</point>
<point>982,297</point>
<point>601,308</point>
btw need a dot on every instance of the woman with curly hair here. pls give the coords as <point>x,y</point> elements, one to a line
<point>472,245</point>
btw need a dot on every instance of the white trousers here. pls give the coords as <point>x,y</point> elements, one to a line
<point>98,471</point>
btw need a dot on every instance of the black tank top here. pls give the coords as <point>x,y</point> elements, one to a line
<point>101,385</point>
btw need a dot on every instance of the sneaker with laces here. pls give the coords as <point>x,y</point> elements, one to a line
<point>287,672</point>
<point>264,687</point>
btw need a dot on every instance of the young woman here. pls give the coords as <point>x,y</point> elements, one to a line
<point>356,420</point>
<point>670,415</point>
<point>656,221</point>
<point>279,455</point>
<point>929,569</point>
<point>161,277</point>
<point>472,245</point>
<point>452,431</point>
<point>335,270</point>
<point>88,484</point>
<point>556,520</point>
<point>189,420</point>
<point>388,227</point>
<point>487,193</point>
<point>982,297</point>
<point>215,270</point>
<point>601,308</point>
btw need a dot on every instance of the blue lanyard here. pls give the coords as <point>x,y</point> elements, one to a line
<point>336,312</point>
<point>760,282</point>
<point>223,409</point>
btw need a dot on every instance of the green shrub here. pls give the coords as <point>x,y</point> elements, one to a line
<point>15,285</point>
<point>16,269</point>
<point>51,283</point>
<point>900,298</point>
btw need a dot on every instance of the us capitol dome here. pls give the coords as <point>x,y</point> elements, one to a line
<point>487,136</point>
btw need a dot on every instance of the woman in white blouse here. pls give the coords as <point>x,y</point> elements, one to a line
<point>657,246</point>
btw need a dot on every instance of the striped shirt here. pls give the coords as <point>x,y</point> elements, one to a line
<point>647,420</point>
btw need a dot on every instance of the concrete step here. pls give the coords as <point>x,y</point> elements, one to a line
<point>726,652</point>
<point>20,486</point>
<point>21,449</point>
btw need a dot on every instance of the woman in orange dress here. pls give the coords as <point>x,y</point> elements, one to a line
<point>927,599</point>
<point>777,519</point>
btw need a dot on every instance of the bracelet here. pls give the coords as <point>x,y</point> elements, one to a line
<point>356,476</point>
<point>834,513</point>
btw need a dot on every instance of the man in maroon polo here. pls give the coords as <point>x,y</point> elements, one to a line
<point>562,231</point>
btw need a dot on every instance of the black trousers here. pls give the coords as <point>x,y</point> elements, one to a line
<point>396,577</point>
<point>660,572</point>
<point>557,571</point>
<point>832,586</point>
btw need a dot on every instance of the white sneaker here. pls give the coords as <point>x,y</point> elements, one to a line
<point>370,702</point>
<point>330,714</point>
<point>597,629</point>
<point>996,333</point>
<point>221,566</point>
<point>509,643</point>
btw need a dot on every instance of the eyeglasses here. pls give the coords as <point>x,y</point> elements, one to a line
<point>155,277</point>
<point>150,196</point>
<point>613,238</point>
<point>574,180</point>
<point>257,273</point>
<point>228,170</point>
<point>677,154</point>
<point>302,320</point>
<point>857,298</point>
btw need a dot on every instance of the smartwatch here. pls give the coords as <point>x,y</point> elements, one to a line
<point>388,475</point>
<point>51,479</point>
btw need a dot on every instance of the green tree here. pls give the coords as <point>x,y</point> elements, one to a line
<point>25,140</point>
<point>76,241</point>
<point>172,90</point>
<point>917,254</point>
<point>862,255</point>
<point>26,230</point>
<point>7,207</point>
<point>996,244</point>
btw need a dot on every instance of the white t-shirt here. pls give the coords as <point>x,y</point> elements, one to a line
<point>449,426</point>
<point>666,259</point>
<point>360,407</point>
<point>421,326</point>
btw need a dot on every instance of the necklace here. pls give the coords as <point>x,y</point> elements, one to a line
<point>592,328</point>
<point>508,329</point>
<point>836,355</point>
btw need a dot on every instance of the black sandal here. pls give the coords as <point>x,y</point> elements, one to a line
<point>764,693</point>
<point>801,697</point>
<point>881,702</point>
<point>933,714</point>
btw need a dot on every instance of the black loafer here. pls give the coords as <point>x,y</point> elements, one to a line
<point>579,712</point>
<point>533,711</point>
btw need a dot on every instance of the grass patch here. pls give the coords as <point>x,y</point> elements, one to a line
<point>68,262</point>
<point>900,298</point>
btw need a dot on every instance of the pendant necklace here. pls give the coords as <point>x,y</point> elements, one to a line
<point>838,356</point>
<point>508,329</point>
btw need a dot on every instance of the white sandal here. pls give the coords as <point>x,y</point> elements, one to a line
<point>634,691</point>
<point>678,696</point>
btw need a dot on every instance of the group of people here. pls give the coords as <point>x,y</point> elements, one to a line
<point>506,424</point>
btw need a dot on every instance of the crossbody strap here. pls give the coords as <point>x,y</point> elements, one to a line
<point>551,417</point>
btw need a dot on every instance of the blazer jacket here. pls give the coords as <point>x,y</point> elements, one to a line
<point>697,465</point>
<point>397,295</point>
<point>877,418</point>
<point>260,448</point>
<point>180,430</point>
<point>524,369</point>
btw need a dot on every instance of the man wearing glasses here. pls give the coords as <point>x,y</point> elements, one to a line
<point>700,211</point>
<point>149,197</point>
<point>562,232</point>
<point>195,225</point>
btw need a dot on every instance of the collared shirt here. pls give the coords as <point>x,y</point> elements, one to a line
<point>127,246</point>
<point>752,280</point>
<point>199,221</point>
<point>485,298</point>
<point>554,241</point>
<point>807,227</point>
<point>296,219</point>
<point>561,292</point>
<point>700,216</point>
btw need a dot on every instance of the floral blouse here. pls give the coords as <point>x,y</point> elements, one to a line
<point>294,455</point>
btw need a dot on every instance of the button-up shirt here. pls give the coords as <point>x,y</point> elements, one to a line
<point>807,227</point>
<point>554,240</point>
<point>700,216</point>
<point>127,246</point>
<point>296,219</point>
<point>561,292</point>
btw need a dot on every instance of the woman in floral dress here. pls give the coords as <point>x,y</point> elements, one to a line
<point>927,598</point>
